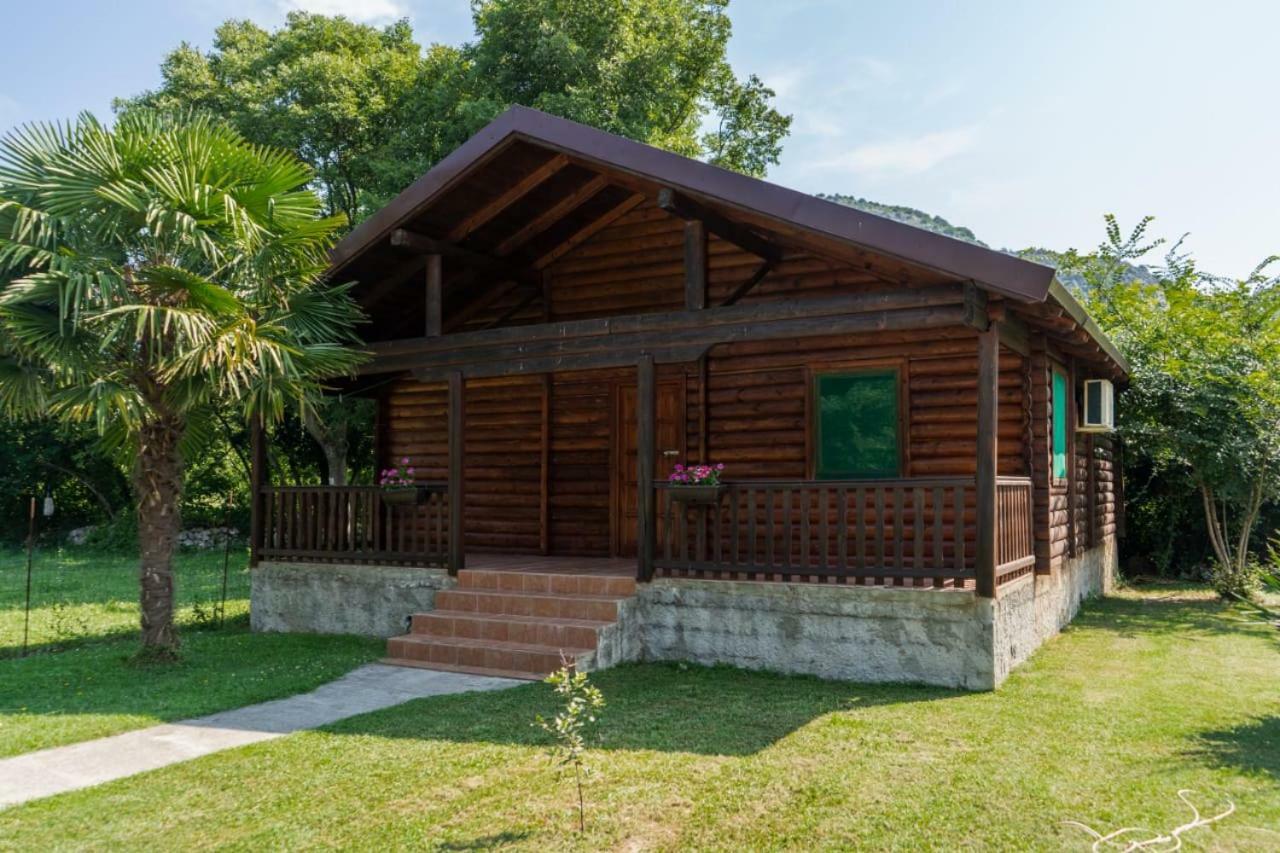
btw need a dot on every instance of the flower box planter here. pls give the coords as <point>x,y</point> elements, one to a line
<point>405,496</point>
<point>707,495</point>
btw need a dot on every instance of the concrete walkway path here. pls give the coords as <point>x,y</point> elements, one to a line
<point>79,765</point>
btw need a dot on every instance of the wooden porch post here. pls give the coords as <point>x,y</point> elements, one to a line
<point>257,476</point>
<point>457,489</point>
<point>695,265</point>
<point>435,290</point>
<point>988,421</point>
<point>646,406</point>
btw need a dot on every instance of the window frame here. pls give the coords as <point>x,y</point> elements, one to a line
<point>813,415</point>
<point>1059,408</point>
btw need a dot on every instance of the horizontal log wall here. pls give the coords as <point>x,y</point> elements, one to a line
<point>747,406</point>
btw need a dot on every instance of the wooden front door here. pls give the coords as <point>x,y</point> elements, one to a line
<point>670,439</point>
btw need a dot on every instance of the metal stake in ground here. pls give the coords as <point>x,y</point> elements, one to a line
<point>31,544</point>
<point>226,557</point>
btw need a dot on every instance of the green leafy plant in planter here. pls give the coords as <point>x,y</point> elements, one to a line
<point>397,484</point>
<point>582,701</point>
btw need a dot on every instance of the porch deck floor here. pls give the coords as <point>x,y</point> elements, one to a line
<point>599,566</point>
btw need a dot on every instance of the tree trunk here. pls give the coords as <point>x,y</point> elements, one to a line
<point>157,480</point>
<point>332,439</point>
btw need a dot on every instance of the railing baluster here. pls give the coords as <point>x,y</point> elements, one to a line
<point>880,564</point>
<point>751,526</point>
<point>937,534</point>
<point>734,529</point>
<point>842,530</point>
<point>824,530</point>
<point>787,535</point>
<point>958,532</point>
<point>860,530</point>
<point>803,560</point>
<point>917,548</point>
<point>899,529</point>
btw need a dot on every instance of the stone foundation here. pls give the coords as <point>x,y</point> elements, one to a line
<point>929,636</point>
<point>949,638</point>
<point>1036,607</point>
<point>317,598</point>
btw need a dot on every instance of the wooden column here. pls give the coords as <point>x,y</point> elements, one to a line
<point>646,416</point>
<point>257,482</point>
<point>544,470</point>
<point>1072,484</point>
<point>435,291</point>
<point>457,487</point>
<point>988,422</point>
<point>695,265</point>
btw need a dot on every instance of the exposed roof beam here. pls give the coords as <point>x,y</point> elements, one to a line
<point>392,280</point>
<point>529,298</point>
<point>745,288</point>
<point>551,215</point>
<point>510,196</point>
<point>744,238</point>
<point>478,303</point>
<point>589,230</point>
<point>431,246</point>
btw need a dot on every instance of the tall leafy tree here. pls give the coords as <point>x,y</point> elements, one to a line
<point>370,111</point>
<point>150,273</point>
<point>326,88</point>
<point>1204,398</point>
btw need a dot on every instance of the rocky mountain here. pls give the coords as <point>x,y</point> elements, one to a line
<point>911,216</point>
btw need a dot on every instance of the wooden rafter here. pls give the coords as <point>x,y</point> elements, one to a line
<point>507,198</point>
<point>429,245</point>
<point>739,235</point>
<point>401,273</point>
<point>746,287</point>
<point>551,215</point>
<point>586,232</point>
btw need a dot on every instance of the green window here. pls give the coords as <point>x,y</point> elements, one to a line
<point>857,425</point>
<point>1059,426</point>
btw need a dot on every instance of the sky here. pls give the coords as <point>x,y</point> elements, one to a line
<point>1024,121</point>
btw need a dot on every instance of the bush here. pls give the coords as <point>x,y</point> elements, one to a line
<point>118,536</point>
<point>1235,582</point>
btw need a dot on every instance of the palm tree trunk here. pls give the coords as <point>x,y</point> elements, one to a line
<point>157,480</point>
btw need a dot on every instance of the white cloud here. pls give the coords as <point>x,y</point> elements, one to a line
<point>361,11</point>
<point>907,156</point>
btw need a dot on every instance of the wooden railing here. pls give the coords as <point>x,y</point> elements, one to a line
<point>898,531</point>
<point>353,524</point>
<point>1015,543</point>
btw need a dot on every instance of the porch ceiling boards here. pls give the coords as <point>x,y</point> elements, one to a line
<point>530,188</point>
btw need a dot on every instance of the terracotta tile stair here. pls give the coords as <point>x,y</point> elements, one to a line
<point>516,624</point>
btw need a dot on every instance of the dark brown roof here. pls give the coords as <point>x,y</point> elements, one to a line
<point>512,136</point>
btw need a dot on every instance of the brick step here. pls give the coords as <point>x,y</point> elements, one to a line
<point>533,660</point>
<point>469,670</point>
<point>537,630</point>
<point>599,608</point>
<point>545,582</point>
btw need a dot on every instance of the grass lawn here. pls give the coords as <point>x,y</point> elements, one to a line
<point>1146,694</point>
<point>79,682</point>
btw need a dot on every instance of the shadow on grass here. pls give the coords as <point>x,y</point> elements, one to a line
<point>485,842</point>
<point>660,707</point>
<point>238,622</point>
<point>1253,747</point>
<point>1186,617</point>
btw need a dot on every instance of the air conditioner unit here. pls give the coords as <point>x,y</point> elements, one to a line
<point>1099,412</point>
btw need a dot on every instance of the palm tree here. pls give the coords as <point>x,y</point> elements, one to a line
<point>150,273</point>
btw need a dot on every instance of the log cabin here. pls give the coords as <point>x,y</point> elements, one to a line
<point>558,317</point>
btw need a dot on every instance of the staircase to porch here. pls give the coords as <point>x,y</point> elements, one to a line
<point>516,622</point>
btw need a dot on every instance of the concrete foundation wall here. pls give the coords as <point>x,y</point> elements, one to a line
<point>315,598</point>
<point>1036,607</point>
<point>854,633</point>
<point>949,638</point>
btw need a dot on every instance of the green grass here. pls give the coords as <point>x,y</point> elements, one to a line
<point>79,681</point>
<point>1146,694</point>
<point>79,594</point>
